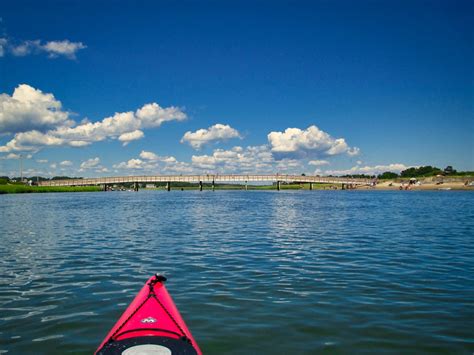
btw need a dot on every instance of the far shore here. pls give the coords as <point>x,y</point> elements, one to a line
<point>428,183</point>
<point>423,184</point>
<point>18,189</point>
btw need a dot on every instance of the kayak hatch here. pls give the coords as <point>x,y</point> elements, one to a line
<point>150,325</point>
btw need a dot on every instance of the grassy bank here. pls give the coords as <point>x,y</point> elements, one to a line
<point>18,189</point>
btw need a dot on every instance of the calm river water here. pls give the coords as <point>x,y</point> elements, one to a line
<point>252,272</point>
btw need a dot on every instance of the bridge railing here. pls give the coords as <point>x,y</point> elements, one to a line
<point>244,178</point>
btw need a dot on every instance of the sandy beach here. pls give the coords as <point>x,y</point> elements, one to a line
<point>426,184</point>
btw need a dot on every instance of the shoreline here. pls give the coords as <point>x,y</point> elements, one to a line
<point>26,189</point>
<point>455,183</point>
<point>381,186</point>
<point>428,184</point>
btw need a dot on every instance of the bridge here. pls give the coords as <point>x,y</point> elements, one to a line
<point>209,178</point>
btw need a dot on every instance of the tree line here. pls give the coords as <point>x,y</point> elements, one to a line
<point>422,171</point>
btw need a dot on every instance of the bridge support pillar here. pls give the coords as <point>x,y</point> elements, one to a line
<point>213,185</point>
<point>135,186</point>
<point>311,186</point>
<point>200,185</point>
<point>246,186</point>
<point>278,185</point>
<point>168,186</point>
<point>343,186</point>
<point>105,187</point>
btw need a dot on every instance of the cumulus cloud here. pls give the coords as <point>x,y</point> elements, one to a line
<point>154,157</point>
<point>90,163</point>
<point>369,170</point>
<point>66,163</point>
<point>24,48</point>
<point>237,159</point>
<point>53,49</point>
<point>294,142</point>
<point>289,166</point>
<point>125,126</point>
<point>131,136</point>
<point>3,43</point>
<point>152,162</point>
<point>148,155</point>
<point>318,162</point>
<point>16,156</point>
<point>131,164</point>
<point>178,167</point>
<point>215,133</point>
<point>65,48</point>
<point>30,109</point>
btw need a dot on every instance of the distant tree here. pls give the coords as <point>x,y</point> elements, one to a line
<point>359,176</point>
<point>303,174</point>
<point>64,178</point>
<point>4,180</point>
<point>449,170</point>
<point>37,178</point>
<point>465,173</point>
<point>388,175</point>
<point>421,171</point>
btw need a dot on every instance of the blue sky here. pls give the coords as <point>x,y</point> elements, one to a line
<point>249,86</point>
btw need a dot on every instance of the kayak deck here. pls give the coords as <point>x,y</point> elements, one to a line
<point>150,325</point>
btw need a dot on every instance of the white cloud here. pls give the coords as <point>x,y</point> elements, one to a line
<point>148,155</point>
<point>217,132</point>
<point>318,162</point>
<point>90,163</point>
<point>10,156</point>
<point>369,170</point>
<point>25,48</point>
<point>131,164</point>
<point>65,48</point>
<point>152,162</point>
<point>53,166</point>
<point>131,136</point>
<point>289,165</point>
<point>66,163</point>
<point>168,160</point>
<point>178,167</point>
<point>153,115</point>
<point>125,126</point>
<point>237,159</point>
<point>3,43</point>
<point>31,141</point>
<point>16,156</point>
<point>54,49</point>
<point>308,143</point>
<point>30,109</point>
<point>42,161</point>
<point>154,157</point>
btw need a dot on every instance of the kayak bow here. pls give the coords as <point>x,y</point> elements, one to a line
<point>150,325</point>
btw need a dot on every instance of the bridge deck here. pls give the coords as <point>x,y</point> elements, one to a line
<point>204,178</point>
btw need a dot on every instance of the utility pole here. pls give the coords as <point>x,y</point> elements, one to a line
<point>21,168</point>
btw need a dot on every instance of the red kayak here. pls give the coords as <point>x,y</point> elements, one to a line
<point>150,325</point>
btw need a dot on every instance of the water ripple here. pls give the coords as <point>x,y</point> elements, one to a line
<point>252,272</point>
